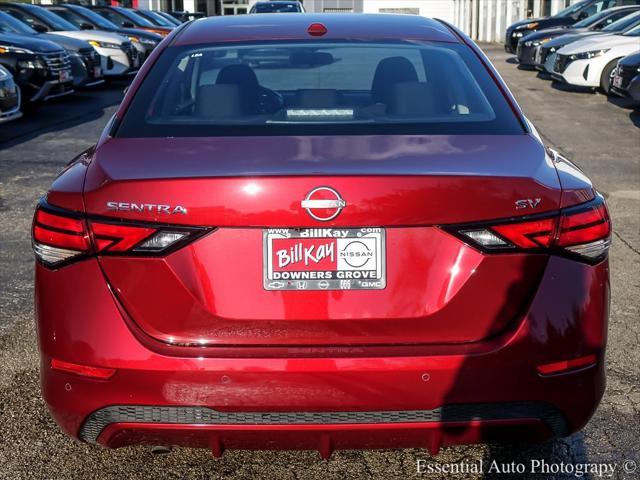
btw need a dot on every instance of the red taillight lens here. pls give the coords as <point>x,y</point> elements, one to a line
<point>75,225</point>
<point>584,231</point>
<point>584,226</point>
<point>533,234</point>
<point>60,236</point>
<point>109,237</point>
<point>61,239</point>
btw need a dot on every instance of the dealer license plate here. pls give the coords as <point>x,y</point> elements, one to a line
<point>538,57</point>
<point>617,81</point>
<point>324,258</point>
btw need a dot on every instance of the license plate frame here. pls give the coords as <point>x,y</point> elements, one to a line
<point>357,260</point>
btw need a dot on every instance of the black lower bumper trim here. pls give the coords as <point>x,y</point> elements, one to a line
<point>98,420</point>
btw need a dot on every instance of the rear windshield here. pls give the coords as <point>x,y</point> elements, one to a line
<point>288,88</point>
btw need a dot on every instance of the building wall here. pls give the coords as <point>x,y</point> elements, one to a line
<point>442,9</point>
<point>487,20</point>
<point>429,8</point>
<point>319,6</point>
<point>483,20</point>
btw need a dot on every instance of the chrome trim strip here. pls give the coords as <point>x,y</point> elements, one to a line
<point>61,94</point>
<point>322,203</point>
<point>93,84</point>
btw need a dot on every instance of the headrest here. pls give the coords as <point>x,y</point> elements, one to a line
<point>390,71</point>
<point>242,75</point>
<point>412,99</point>
<point>219,101</point>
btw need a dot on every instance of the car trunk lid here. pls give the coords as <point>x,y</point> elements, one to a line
<point>397,190</point>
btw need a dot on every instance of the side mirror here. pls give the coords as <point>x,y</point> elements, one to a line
<point>128,25</point>
<point>582,15</point>
<point>86,26</point>
<point>39,28</point>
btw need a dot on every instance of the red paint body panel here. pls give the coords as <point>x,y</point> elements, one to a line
<point>66,190</point>
<point>290,27</point>
<point>91,331</point>
<point>426,299</point>
<point>402,180</point>
<point>413,184</point>
<point>455,327</point>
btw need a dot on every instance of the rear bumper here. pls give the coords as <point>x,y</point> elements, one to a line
<point>456,394</point>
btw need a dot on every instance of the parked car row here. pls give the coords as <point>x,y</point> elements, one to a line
<point>593,44</point>
<point>50,51</point>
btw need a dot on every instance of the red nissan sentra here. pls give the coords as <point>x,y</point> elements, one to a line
<point>320,232</point>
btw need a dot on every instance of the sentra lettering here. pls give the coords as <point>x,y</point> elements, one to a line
<point>146,207</point>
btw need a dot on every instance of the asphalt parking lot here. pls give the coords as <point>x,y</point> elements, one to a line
<point>600,135</point>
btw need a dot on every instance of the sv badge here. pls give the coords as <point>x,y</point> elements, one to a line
<point>527,203</point>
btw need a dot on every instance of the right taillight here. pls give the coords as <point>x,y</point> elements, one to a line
<point>59,236</point>
<point>583,231</point>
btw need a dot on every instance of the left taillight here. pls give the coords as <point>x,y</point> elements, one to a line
<point>60,236</point>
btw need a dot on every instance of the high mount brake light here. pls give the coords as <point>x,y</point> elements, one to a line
<point>59,236</point>
<point>583,231</point>
<point>317,30</point>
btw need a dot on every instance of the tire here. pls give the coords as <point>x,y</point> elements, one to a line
<point>605,76</point>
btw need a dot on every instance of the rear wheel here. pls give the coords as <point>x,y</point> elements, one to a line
<point>606,75</point>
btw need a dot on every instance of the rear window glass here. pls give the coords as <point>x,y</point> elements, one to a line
<point>318,88</point>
